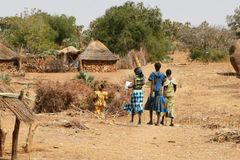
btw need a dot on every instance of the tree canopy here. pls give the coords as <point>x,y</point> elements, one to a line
<point>131,26</point>
<point>234,21</point>
<point>37,31</point>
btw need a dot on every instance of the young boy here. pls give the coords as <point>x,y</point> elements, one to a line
<point>156,101</point>
<point>101,99</point>
<point>170,87</point>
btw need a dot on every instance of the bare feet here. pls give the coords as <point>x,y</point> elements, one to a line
<point>150,123</point>
<point>161,123</point>
<point>172,125</point>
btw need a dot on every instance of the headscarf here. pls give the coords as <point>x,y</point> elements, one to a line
<point>138,71</point>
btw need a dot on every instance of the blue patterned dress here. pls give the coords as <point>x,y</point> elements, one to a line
<point>136,101</point>
<point>156,102</point>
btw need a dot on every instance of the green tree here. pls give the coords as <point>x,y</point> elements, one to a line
<point>131,26</point>
<point>37,31</point>
<point>234,21</point>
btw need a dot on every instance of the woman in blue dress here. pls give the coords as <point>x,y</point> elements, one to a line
<point>155,100</point>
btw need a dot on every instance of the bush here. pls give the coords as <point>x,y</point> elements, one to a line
<point>5,78</point>
<point>56,97</point>
<point>207,55</point>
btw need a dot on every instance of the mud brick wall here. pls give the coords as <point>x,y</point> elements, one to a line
<point>98,66</point>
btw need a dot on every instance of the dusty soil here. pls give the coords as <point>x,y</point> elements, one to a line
<point>207,94</point>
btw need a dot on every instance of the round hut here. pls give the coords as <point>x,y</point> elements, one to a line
<point>97,58</point>
<point>8,59</point>
<point>68,55</point>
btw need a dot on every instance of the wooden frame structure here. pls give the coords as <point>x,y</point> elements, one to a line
<point>15,103</point>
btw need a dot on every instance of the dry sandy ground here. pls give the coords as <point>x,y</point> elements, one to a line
<point>207,93</point>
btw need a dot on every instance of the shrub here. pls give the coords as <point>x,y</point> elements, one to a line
<point>55,97</point>
<point>88,79</point>
<point>5,78</point>
<point>207,55</point>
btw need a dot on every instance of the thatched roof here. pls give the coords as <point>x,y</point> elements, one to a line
<point>96,50</point>
<point>69,49</point>
<point>6,53</point>
<point>19,108</point>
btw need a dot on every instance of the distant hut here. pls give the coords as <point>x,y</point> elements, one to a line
<point>98,58</point>
<point>9,60</point>
<point>68,55</point>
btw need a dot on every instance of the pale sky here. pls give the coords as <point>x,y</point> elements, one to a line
<point>193,11</point>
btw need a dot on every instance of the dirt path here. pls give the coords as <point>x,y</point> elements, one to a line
<point>206,95</point>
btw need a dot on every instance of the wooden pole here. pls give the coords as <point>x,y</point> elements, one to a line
<point>28,147</point>
<point>138,64</point>
<point>16,133</point>
<point>3,134</point>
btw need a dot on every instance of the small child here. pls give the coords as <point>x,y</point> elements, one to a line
<point>170,87</point>
<point>101,99</point>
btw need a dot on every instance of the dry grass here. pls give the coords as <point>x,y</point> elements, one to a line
<point>55,97</point>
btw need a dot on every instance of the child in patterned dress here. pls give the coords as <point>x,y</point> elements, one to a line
<point>136,101</point>
<point>170,87</point>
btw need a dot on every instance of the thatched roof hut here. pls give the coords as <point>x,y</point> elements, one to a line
<point>98,58</point>
<point>68,54</point>
<point>8,59</point>
<point>6,53</point>
<point>18,107</point>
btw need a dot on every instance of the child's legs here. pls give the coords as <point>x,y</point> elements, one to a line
<point>163,117</point>
<point>151,116</point>
<point>172,120</point>
<point>139,118</point>
<point>98,109</point>
<point>158,118</point>
<point>132,116</point>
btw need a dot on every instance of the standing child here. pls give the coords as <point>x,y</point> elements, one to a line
<point>136,101</point>
<point>101,100</point>
<point>155,100</point>
<point>170,87</point>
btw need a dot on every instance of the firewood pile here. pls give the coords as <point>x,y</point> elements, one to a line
<point>98,66</point>
<point>31,63</point>
<point>8,67</point>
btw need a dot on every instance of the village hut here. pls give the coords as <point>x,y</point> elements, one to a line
<point>97,58</point>
<point>68,55</point>
<point>14,102</point>
<point>9,61</point>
